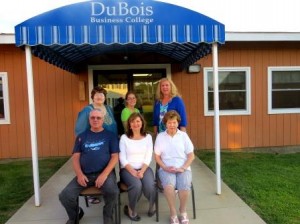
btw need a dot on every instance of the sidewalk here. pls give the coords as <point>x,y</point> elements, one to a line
<point>211,208</point>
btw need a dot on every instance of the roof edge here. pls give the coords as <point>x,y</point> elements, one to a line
<point>6,38</point>
<point>262,36</point>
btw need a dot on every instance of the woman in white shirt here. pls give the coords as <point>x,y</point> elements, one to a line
<point>174,153</point>
<point>136,148</point>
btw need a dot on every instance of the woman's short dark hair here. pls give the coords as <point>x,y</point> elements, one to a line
<point>98,89</point>
<point>131,118</point>
<point>170,115</point>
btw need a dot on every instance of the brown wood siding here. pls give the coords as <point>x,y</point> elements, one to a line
<point>56,101</point>
<point>13,137</point>
<point>259,129</point>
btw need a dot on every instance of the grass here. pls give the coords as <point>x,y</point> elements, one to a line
<point>16,180</point>
<point>268,183</point>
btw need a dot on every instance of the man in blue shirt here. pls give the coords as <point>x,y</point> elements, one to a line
<point>95,155</point>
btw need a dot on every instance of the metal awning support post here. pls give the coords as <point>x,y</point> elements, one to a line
<point>216,116</point>
<point>32,121</point>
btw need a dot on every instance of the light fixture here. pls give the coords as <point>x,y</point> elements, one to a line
<point>142,75</point>
<point>195,68</point>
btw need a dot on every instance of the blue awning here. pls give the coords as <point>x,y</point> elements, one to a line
<point>68,35</point>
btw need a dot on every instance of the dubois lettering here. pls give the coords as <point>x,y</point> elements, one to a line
<point>122,9</point>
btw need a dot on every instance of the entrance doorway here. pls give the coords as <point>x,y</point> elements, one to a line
<point>142,81</point>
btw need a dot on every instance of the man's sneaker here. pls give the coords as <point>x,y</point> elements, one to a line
<point>81,213</point>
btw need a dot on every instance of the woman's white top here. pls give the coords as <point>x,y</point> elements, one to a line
<point>136,152</point>
<point>173,151</point>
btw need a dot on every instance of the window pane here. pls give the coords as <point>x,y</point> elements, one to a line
<point>2,115</point>
<point>286,99</point>
<point>285,89</point>
<point>1,109</point>
<point>286,80</point>
<point>228,100</point>
<point>232,90</point>
<point>234,80</point>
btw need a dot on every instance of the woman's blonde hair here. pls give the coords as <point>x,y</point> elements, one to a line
<point>174,90</point>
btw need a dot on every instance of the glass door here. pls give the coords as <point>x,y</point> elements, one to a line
<point>142,81</point>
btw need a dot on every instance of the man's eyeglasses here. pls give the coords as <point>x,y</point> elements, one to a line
<point>95,118</point>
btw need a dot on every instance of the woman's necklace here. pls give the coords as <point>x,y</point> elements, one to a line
<point>165,100</point>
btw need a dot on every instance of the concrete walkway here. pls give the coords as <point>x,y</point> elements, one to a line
<point>226,208</point>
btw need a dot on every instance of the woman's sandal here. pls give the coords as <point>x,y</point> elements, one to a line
<point>134,218</point>
<point>184,219</point>
<point>174,220</point>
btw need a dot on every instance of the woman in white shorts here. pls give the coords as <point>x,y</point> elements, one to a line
<point>174,153</point>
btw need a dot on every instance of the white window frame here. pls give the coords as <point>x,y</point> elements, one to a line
<point>247,111</point>
<point>6,119</point>
<point>284,110</point>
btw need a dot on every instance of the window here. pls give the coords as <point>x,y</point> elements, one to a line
<point>283,90</point>
<point>4,106</point>
<point>234,91</point>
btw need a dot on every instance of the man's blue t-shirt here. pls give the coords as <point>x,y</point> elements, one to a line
<point>96,149</point>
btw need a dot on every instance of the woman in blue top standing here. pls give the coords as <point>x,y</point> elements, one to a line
<point>98,96</point>
<point>167,98</point>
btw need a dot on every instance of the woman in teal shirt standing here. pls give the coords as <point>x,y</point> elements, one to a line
<point>98,96</point>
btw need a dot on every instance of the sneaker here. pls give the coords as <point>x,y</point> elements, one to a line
<point>174,220</point>
<point>94,200</point>
<point>80,213</point>
<point>184,219</point>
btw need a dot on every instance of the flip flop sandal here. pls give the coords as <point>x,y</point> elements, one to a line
<point>174,220</point>
<point>184,219</point>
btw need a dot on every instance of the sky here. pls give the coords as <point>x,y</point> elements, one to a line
<point>236,15</point>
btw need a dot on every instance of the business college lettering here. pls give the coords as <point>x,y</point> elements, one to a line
<point>121,13</point>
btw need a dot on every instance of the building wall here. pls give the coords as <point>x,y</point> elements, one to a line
<point>57,103</point>
<point>259,129</point>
